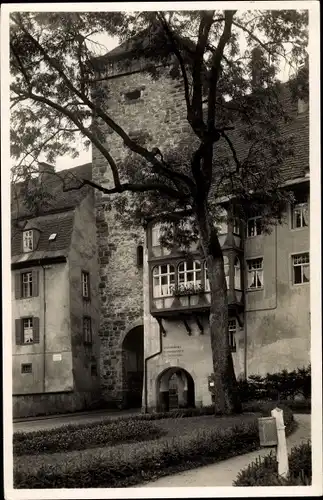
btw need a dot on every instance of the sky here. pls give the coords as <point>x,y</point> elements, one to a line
<point>85,156</point>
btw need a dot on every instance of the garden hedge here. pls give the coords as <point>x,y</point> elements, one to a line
<point>264,472</point>
<point>277,386</point>
<point>80,437</point>
<point>117,467</point>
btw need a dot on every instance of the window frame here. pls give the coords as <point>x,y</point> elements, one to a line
<point>256,288</point>
<point>301,265</point>
<point>23,328</point>
<point>232,332</point>
<point>293,208</point>
<point>28,282</point>
<point>30,233</point>
<point>160,275</point>
<point>253,219</point>
<point>23,366</point>
<point>87,283</point>
<point>87,334</point>
<point>196,283</point>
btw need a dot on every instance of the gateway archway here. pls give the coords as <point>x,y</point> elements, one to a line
<point>133,367</point>
<point>175,389</point>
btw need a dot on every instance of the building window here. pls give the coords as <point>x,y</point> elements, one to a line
<point>206,279</point>
<point>85,285</point>
<point>190,273</point>
<point>299,215</point>
<point>87,330</point>
<point>28,241</point>
<point>301,268</point>
<point>26,368</point>
<point>232,328</point>
<point>27,330</point>
<point>164,280</point>
<point>155,235</point>
<point>27,285</point>
<point>140,255</point>
<point>226,270</point>
<point>28,333</point>
<point>254,226</point>
<point>221,224</point>
<point>255,274</point>
<point>237,274</point>
<point>133,95</point>
<point>94,370</point>
<point>236,225</point>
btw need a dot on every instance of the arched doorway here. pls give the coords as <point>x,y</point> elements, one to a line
<point>133,367</point>
<point>175,389</point>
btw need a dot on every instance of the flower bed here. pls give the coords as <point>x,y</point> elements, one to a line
<point>80,437</point>
<point>127,465</point>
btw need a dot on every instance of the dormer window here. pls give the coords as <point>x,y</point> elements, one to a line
<point>28,241</point>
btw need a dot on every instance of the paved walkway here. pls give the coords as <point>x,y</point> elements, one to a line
<point>225,472</point>
<point>52,421</point>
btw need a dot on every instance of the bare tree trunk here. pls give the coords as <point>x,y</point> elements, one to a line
<point>226,394</point>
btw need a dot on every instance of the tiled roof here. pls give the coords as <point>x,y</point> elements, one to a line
<point>57,217</point>
<point>53,185</point>
<point>59,223</point>
<point>295,165</point>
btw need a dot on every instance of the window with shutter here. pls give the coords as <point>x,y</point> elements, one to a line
<point>18,283</point>
<point>36,330</point>
<point>18,327</point>
<point>35,281</point>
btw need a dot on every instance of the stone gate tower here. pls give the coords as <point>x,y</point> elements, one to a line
<point>155,109</point>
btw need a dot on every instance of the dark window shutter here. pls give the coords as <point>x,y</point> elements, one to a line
<point>18,327</point>
<point>35,278</point>
<point>36,330</point>
<point>18,286</point>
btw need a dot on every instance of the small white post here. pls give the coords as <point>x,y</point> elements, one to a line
<point>282,455</point>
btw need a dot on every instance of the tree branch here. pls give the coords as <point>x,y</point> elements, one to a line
<point>134,188</point>
<point>132,145</point>
<point>233,151</point>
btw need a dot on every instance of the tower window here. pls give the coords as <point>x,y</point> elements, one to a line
<point>140,255</point>
<point>133,95</point>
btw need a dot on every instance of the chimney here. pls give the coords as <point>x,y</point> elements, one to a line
<point>45,171</point>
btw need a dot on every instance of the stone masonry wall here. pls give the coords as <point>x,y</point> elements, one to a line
<point>160,113</point>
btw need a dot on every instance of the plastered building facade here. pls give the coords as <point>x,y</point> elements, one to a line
<point>55,308</point>
<point>156,343</point>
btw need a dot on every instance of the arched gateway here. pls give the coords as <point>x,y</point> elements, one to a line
<point>133,367</point>
<point>175,389</point>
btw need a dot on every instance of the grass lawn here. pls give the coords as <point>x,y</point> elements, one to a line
<point>175,427</point>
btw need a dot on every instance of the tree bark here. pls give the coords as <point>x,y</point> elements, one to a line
<point>225,384</point>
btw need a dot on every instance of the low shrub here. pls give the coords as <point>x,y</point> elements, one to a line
<point>118,467</point>
<point>265,407</point>
<point>264,471</point>
<point>80,437</point>
<point>277,386</point>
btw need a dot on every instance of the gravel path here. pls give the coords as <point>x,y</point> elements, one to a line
<point>225,472</point>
